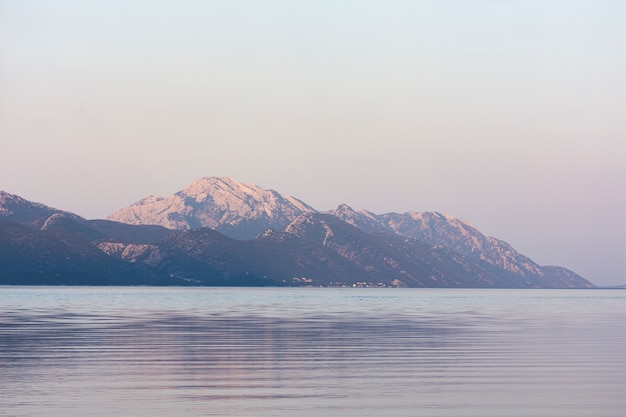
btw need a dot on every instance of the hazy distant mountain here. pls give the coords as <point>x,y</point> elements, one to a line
<point>239,210</point>
<point>43,245</point>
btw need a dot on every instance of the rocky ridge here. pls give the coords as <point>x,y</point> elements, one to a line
<point>441,230</point>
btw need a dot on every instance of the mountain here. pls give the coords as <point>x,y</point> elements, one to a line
<point>388,259</point>
<point>236,209</point>
<point>441,230</point>
<point>43,245</point>
<point>15,208</point>
<point>53,257</point>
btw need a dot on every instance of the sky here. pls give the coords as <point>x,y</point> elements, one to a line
<point>508,114</point>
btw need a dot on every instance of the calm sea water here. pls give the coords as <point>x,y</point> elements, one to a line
<point>311,352</point>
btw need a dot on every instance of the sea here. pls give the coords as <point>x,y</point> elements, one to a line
<point>146,351</point>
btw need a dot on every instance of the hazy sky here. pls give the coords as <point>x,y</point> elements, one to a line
<point>509,114</point>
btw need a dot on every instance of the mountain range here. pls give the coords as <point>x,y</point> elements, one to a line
<point>219,231</point>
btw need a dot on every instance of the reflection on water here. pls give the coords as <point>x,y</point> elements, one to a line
<point>314,352</point>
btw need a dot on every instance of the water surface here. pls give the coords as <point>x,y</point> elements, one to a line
<point>93,351</point>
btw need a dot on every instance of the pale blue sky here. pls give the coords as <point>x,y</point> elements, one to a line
<point>509,114</point>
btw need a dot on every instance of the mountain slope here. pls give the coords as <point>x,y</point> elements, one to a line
<point>16,209</point>
<point>441,230</point>
<point>238,210</point>
<point>387,258</point>
<point>395,260</point>
<point>59,257</point>
<point>460,236</point>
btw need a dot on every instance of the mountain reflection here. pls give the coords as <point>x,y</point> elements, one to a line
<point>226,356</point>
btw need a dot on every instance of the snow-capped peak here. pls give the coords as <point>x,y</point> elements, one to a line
<point>237,209</point>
